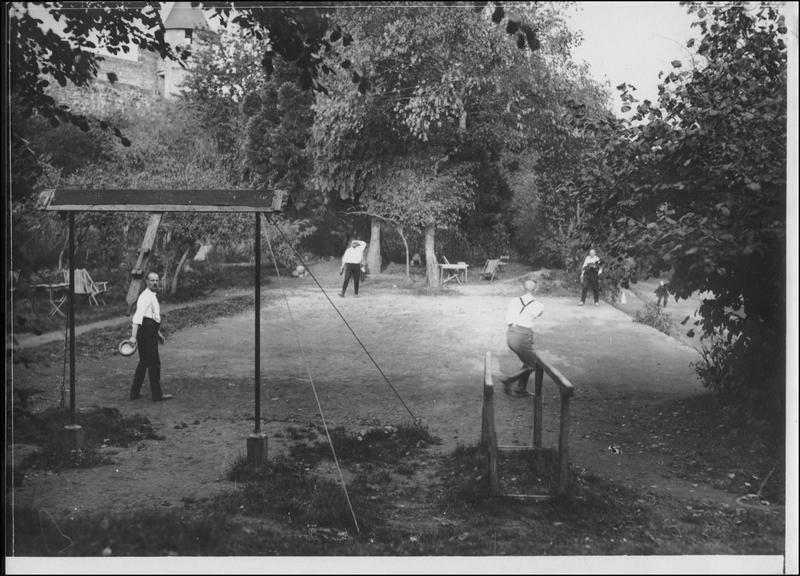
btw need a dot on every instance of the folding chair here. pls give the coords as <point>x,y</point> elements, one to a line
<point>490,269</point>
<point>85,285</point>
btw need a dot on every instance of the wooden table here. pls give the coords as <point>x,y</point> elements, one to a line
<point>457,272</point>
<point>56,294</point>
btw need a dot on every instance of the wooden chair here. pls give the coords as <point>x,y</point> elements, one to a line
<point>85,285</point>
<point>490,269</point>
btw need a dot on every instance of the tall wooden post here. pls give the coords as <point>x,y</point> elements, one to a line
<point>258,326</point>
<point>71,296</point>
<point>257,441</point>
<point>488,425</point>
<point>139,269</point>
<point>563,445</point>
<point>537,407</point>
<point>73,435</point>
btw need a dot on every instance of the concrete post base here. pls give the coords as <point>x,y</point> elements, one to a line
<point>72,437</point>
<point>256,449</point>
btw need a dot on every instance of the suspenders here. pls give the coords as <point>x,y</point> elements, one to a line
<point>524,305</point>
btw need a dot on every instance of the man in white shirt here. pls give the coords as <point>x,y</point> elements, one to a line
<point>352,265</point>
<point>520,314</point>
<point>145,325</point>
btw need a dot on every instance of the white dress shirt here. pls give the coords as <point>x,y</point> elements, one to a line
<point>354,254</point>
<point>147,307</point>
<point>523,311</point>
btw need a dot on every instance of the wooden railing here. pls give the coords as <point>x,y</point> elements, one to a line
<point>489,434</point>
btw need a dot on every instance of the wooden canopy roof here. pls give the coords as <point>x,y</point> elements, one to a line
<point>134,200</point>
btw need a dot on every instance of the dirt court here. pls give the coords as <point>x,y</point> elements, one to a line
<point>431,348</point>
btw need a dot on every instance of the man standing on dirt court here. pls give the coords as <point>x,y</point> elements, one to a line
<point>590,277</point>
<point>145,334</point>
<point>352,265</point>
<point>520,314</point>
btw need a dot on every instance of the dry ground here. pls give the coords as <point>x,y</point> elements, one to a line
<point>632,386</point>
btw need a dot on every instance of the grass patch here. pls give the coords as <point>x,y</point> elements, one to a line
<point>383,444</point>
<point>146,533</point>
<point>654,316</point>
<point>103,341</point>
<point>285,507</point>
<point>285,489</point>
<point>465,473</point>
<point>100,426</point>
<point>719,442</point>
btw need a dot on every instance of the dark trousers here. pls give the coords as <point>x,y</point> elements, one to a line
<point>590,280</point>
<point>351,271</point>
<point>520,340</point>
<point>149,361</point>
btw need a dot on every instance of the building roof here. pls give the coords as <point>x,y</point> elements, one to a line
<point>185,17</point>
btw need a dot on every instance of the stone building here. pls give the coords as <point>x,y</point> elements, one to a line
<point>140,78</point>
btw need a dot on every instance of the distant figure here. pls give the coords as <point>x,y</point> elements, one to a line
<point>352,265</point>
<point>145,334</point>
<point>662,293</point>
<point>416,259</point>
<point>520,314</point>
<point>590,277</point>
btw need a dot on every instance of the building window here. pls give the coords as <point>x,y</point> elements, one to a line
<point>160,86</point>
<point>188,35</point>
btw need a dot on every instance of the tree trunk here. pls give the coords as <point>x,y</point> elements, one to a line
<point>374,250</point>
<point>431,264</point>
<point>405,243</point>
<point>61,253</point>
<point>174,288</point>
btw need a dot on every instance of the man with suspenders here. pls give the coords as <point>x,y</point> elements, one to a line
<point>520,314</point>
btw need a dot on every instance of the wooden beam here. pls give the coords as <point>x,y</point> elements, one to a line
<point>560,380</point>
<point>132,200</point>
<point>528,497</point>
<point>563,446</point>
<point>537,406</point>
<point>142,259</point>
<point>513,449</point>
<point>491,433</point>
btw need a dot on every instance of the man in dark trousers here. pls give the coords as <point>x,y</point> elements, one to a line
<point>520,315</point>
<point>352,265</point>
<point>590,277</point>
<point>145,333</point>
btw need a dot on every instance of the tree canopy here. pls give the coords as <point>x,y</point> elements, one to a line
<point>695,184</point>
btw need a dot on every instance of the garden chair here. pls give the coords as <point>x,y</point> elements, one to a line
<point>490,269</point>
<point>85,285</point>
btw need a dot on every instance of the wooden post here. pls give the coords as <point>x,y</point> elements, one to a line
<point>73,434</point>
<point>71,297</point>
<point>563,446</point>
<point>537,406</point>
<point>137,273</point>
<point>257,441</point>
<point>491,433</point>
<point>258,326</point>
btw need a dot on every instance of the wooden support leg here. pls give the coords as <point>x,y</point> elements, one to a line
<point>488,426</point>
<point>140,268</point>
<point>537,407</point>
<point>563,446</point>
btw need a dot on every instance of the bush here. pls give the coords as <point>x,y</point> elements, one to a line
<point>652,315</point>
<point>746,370</point>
